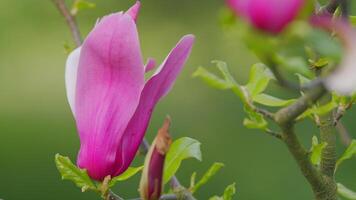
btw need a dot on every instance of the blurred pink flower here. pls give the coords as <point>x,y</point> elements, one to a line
<point>267,15</point>
<point>111,102</point>
<point>342,80</point>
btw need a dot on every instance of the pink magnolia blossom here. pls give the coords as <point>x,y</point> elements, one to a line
<point>109,97</point>
<point>267,15</point>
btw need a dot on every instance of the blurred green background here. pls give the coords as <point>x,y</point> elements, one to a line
<point>36,123</point>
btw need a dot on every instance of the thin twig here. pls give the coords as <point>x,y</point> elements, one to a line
<point>70,19</point>
<point>344,134</point>
<point>274,134</point>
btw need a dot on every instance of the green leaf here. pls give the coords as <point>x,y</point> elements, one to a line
<point>322,62</point>
<point>211,79</point>
<point>192,179</point>
<point>346,192</point>
<point>293,64</point>
<point>181,149</point>
<point>210,173</point>
<point>353,20</point>
<point>316,150</point>
<point>79,5</point>
<point>236,88</point>
<point>324,44</point>
<point>272,101</point>
<point>350,151</point>
<point>319,110</point>
<point>131,171</point>
<point>302,79</point>
<point>260,76</point>
<point>255,120</point>
<point>71,172</point>
<point>228,193</point>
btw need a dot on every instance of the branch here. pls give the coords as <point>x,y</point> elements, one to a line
<point>290,113</point>
<point>70,19</point>
<point>328,154</point>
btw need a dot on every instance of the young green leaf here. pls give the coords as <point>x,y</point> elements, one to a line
<point>255,120</point>
<point>211,79</point>
<point>71,172</point>
<point>350,151</point>
<point>210,173</point>
<point>228,193</point>
<point>316,150</point>
<point>260,76</point>
<point>345,192</point>
<point>353,20</point>
<point>192,179</point>
<point>240,91</point>
<point>79,5</point>
<point>293,64</point>
<point>319,110</point>
<point>272,101</point>
<point>131,171</point>
<point>181,149</point>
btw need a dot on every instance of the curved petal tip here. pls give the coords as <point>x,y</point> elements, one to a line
<point>134,10</point>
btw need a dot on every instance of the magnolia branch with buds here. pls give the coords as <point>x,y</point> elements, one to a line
<point>181,192</point>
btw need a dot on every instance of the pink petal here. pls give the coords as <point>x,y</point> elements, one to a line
<point>273,15</point>
<point>110,81</point>
<point>157,87</point>
<point>134,10</point>
<point>151,64</point>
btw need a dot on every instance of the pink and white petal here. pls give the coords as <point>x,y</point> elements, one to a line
<point>109,84</point>
<point>71,76</point>
<point>151,64</point>
<point>155,88</point>
<point>343,79</point>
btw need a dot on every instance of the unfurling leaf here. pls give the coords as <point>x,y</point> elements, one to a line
<point>260,76</point>
<point>272,101</point>
<point>211,79</point>
<point>316,150</point>
<point>228,193</point>
<point>180,149</point>
<point>131,171</point>
<point>350,151</point>
<point>79,5</point>
<point>71,172</point>
<point>210,173</point>
<point>255,120</point>
<point>345,192</point>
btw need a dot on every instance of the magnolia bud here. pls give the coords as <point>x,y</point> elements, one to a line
<point>268,15</point>
<point>151,184</point>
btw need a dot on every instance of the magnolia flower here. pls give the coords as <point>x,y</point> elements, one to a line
<point>267,15</point>
<point>111,102</point>
<point>151,184</point>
